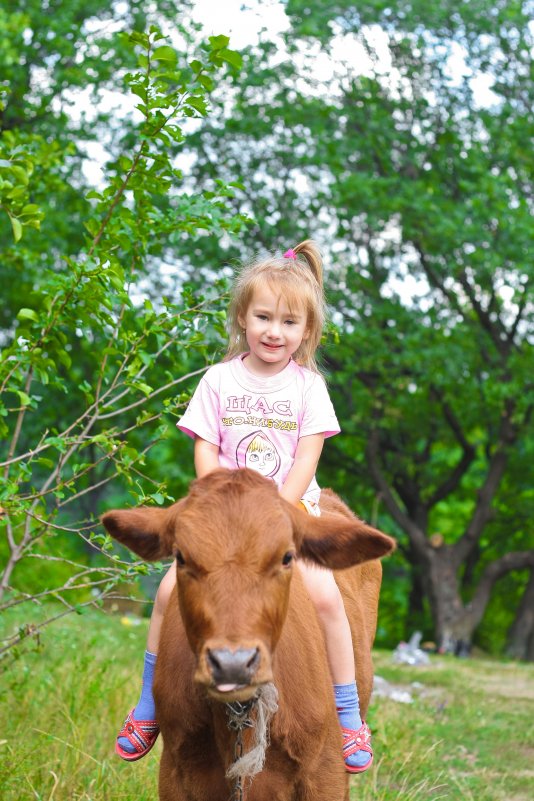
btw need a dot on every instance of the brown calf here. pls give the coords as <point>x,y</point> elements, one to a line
<point>241,620</point>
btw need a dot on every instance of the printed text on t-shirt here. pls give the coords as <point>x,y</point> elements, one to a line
<point>261,405</point>
<point>260,422</point>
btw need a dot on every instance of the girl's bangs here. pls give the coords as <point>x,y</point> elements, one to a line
<point>294,289</point>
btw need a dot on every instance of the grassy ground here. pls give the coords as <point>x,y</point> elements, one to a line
<point>468,734</point>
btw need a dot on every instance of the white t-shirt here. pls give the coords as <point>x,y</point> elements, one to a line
<point>257,421</point>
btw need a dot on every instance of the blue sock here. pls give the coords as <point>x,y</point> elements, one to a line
<point>348,711</point>
<point>146,708</point>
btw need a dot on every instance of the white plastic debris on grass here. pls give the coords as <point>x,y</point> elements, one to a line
<point>409,653</point>
<point>406,653</point>
<point>383,689</point>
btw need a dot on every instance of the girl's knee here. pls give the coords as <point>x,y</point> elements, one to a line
<point>328,602</point>
<point>165,591</point>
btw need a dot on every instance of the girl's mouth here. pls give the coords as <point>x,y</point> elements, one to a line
<point>271,347</point>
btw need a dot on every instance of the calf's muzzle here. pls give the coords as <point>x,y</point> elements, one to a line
<point>230,669</point>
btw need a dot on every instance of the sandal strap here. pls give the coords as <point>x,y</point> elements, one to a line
<point>356,740</point>
<point>140,733</point>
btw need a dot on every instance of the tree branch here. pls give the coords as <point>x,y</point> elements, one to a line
<point>520,311</point>
<point>516,560</point>
<point>450,484</point>
<point>496,468</point>
<point>496,331</point>
<point>521,631</point>
<point>416,535</point>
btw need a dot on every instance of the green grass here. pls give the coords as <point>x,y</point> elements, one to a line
<point>468,735</point>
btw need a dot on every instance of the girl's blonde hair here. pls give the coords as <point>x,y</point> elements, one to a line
<point>300,282</point>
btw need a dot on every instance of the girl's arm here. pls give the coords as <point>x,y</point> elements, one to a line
<point>304,466</point>
<point>206,457</point>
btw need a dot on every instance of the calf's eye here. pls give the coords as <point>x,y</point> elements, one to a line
<point>180,561</point>
<point>288,558</point>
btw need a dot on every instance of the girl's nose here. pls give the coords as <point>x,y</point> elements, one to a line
<point>274,329</point>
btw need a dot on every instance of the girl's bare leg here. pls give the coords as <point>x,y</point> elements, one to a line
<point>161,600</point>
<point>145,709</point>
<point>326,597</point>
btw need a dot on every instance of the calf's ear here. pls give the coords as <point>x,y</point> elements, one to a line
<point>337,541</point>
<point>147,531</point>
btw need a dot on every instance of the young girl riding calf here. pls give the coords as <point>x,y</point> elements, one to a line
<point>266,407</point>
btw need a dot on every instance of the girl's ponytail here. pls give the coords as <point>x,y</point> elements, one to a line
<point>313,256</point>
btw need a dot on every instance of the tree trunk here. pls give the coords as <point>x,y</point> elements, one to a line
<point>521,633</point>
<point>440,564</point>
<point>453,622</point>
<point>415,619</point>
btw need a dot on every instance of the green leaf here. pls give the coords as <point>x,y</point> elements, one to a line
<point>165,53</point>
<point>44,462</point>
<point>31,209</point>
<point>140,91</point>
<point>27,314</point>
<point>144,388</point>
<point>17,228</point>
<point>232,57</point>
<point>20,174</point>
<point>207,82</point>
<point>218,42</point>
<point>197,103</point>
<point>139,38</point>
<point>24,398</point>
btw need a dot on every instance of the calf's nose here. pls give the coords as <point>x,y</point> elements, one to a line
<point>231,668</point>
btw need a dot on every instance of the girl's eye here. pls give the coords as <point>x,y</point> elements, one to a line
<point>290,322</point>
<point>261,316</point>
<point>180,561</point>
<point>288,558</point>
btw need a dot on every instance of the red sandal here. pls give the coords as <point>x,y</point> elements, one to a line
<point>354,741</point>
<point>141,733</point>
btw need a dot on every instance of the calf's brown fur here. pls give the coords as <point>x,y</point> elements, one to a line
<point>238,587</point>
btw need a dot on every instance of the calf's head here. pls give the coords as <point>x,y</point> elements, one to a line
<point>235,540</point>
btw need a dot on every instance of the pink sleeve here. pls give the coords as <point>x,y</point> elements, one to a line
<point>319,416</point>
<point>201,418</point>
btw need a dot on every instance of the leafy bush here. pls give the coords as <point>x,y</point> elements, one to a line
<point>90,371</point>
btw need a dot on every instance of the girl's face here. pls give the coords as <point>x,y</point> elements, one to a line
<point>273,331</point>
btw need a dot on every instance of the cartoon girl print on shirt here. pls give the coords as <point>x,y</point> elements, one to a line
<point>257,452</point>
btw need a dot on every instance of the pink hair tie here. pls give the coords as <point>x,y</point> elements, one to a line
<point>290,254</point>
